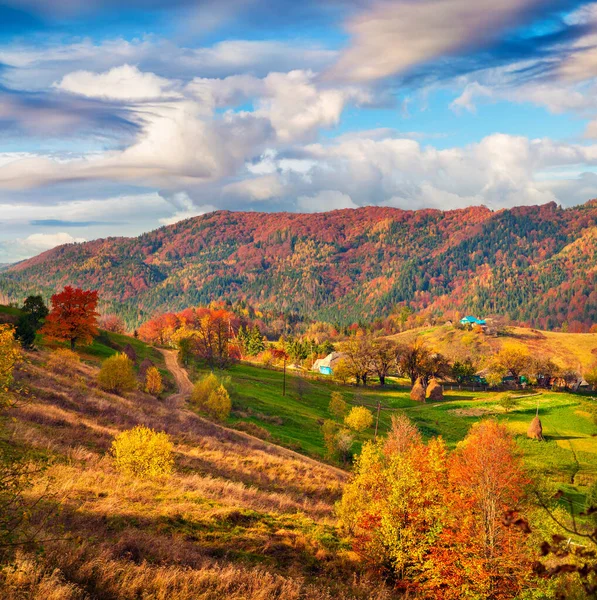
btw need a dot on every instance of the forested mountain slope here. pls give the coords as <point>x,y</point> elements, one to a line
<point>536,265</point>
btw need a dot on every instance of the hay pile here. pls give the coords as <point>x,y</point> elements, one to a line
<point>418,392</point>
<point>434,390</point>
<point>535,431</point>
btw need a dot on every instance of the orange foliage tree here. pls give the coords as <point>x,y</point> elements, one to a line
<point>477,550</point>
<point>434,521</point>
<point>73,316</point>
<point>206,333</point>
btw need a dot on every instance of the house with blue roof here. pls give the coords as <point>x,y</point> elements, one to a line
<point>470,321</point>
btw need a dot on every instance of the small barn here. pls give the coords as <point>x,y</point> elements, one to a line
<point>325,366</point>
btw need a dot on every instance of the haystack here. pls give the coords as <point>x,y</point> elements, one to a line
<point>418,391</point>
<point>435,391</point>
<point>535,431</point>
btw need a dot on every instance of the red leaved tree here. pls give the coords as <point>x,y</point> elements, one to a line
<point>73,316</point>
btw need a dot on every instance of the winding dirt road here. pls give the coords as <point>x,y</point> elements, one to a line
<point>185,388</point>
<point>184,384</point>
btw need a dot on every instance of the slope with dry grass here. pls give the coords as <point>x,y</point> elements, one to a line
<point>576,351</point>
<point>240,518</point>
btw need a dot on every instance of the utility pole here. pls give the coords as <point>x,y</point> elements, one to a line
<point>282,354</point>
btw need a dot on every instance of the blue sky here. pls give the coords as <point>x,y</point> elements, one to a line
<point>120,120</point>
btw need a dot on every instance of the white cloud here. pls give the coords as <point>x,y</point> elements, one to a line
<point>33,244</point>
<point>500,171</point>
<point>391,36</point>
<point>255,189</point>
<point>120,83</point>
<point>298,109</point>
<point>325,200</point>
<point>184,208</point>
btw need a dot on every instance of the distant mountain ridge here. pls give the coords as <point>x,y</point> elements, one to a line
<point>535,264</point>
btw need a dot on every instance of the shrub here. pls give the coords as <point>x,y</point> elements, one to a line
<point>143,452</point>
<point>210,396</point>
<point>338,406</point>
<point>117,375</point>
<point>63,361</point>
<point>10,355</point>
<point>203,389</point>
<point>153,382</point>
<point>218,404</point>
<point>508,402</point>
<point>359,418</point>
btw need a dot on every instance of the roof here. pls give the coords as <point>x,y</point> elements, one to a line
<point>472,320</point>
<point>328,361</point>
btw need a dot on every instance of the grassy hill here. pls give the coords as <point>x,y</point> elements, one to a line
<point>534,264</point>
<point>568,458</point>
<point>574,350</point>
<point>240,518</point>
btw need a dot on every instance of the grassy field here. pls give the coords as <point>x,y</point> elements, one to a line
<point>568,457</point>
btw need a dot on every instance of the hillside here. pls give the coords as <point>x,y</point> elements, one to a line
<point>240,518</point>
<point>536,265</point>
<point>576,351</point>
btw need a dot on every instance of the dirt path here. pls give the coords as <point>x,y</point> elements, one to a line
<point>181,377</point>
<point>185,387</point>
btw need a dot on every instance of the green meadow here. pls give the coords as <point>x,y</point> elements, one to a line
<point>567,457</point>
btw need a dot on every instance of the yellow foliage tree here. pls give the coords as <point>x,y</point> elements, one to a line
<point>218,404</point>
<point>117,374</point>
<point>359,418</point>
<point>10,355</point>
<point>153,382</point>
<point>143,452</point>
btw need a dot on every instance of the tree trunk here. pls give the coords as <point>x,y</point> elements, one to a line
<point>72,344</point>
<point>382,380</point>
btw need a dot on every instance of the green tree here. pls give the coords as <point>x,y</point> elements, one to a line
<point>255,343</point>
<point>36,308</point>
<point>26,331</point>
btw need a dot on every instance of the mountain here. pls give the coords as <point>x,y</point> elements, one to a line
<point>534,264</point>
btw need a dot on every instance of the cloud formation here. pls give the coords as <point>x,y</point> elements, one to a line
<point>392,36</point>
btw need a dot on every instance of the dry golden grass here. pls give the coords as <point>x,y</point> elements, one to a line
<point>568,350</point>
<point>239,518</point>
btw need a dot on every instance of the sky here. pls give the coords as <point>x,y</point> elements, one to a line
<point>120,117</point>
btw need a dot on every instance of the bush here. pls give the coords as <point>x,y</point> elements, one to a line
<point>63,361</point>
<point>153,382</point>
<point>10,355</point>
<point>143,452</point>
<point>203,389</point>
<point>117,374</point>
<point>218,404</point>
<point>359,418</point>
<point>210,396</point>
